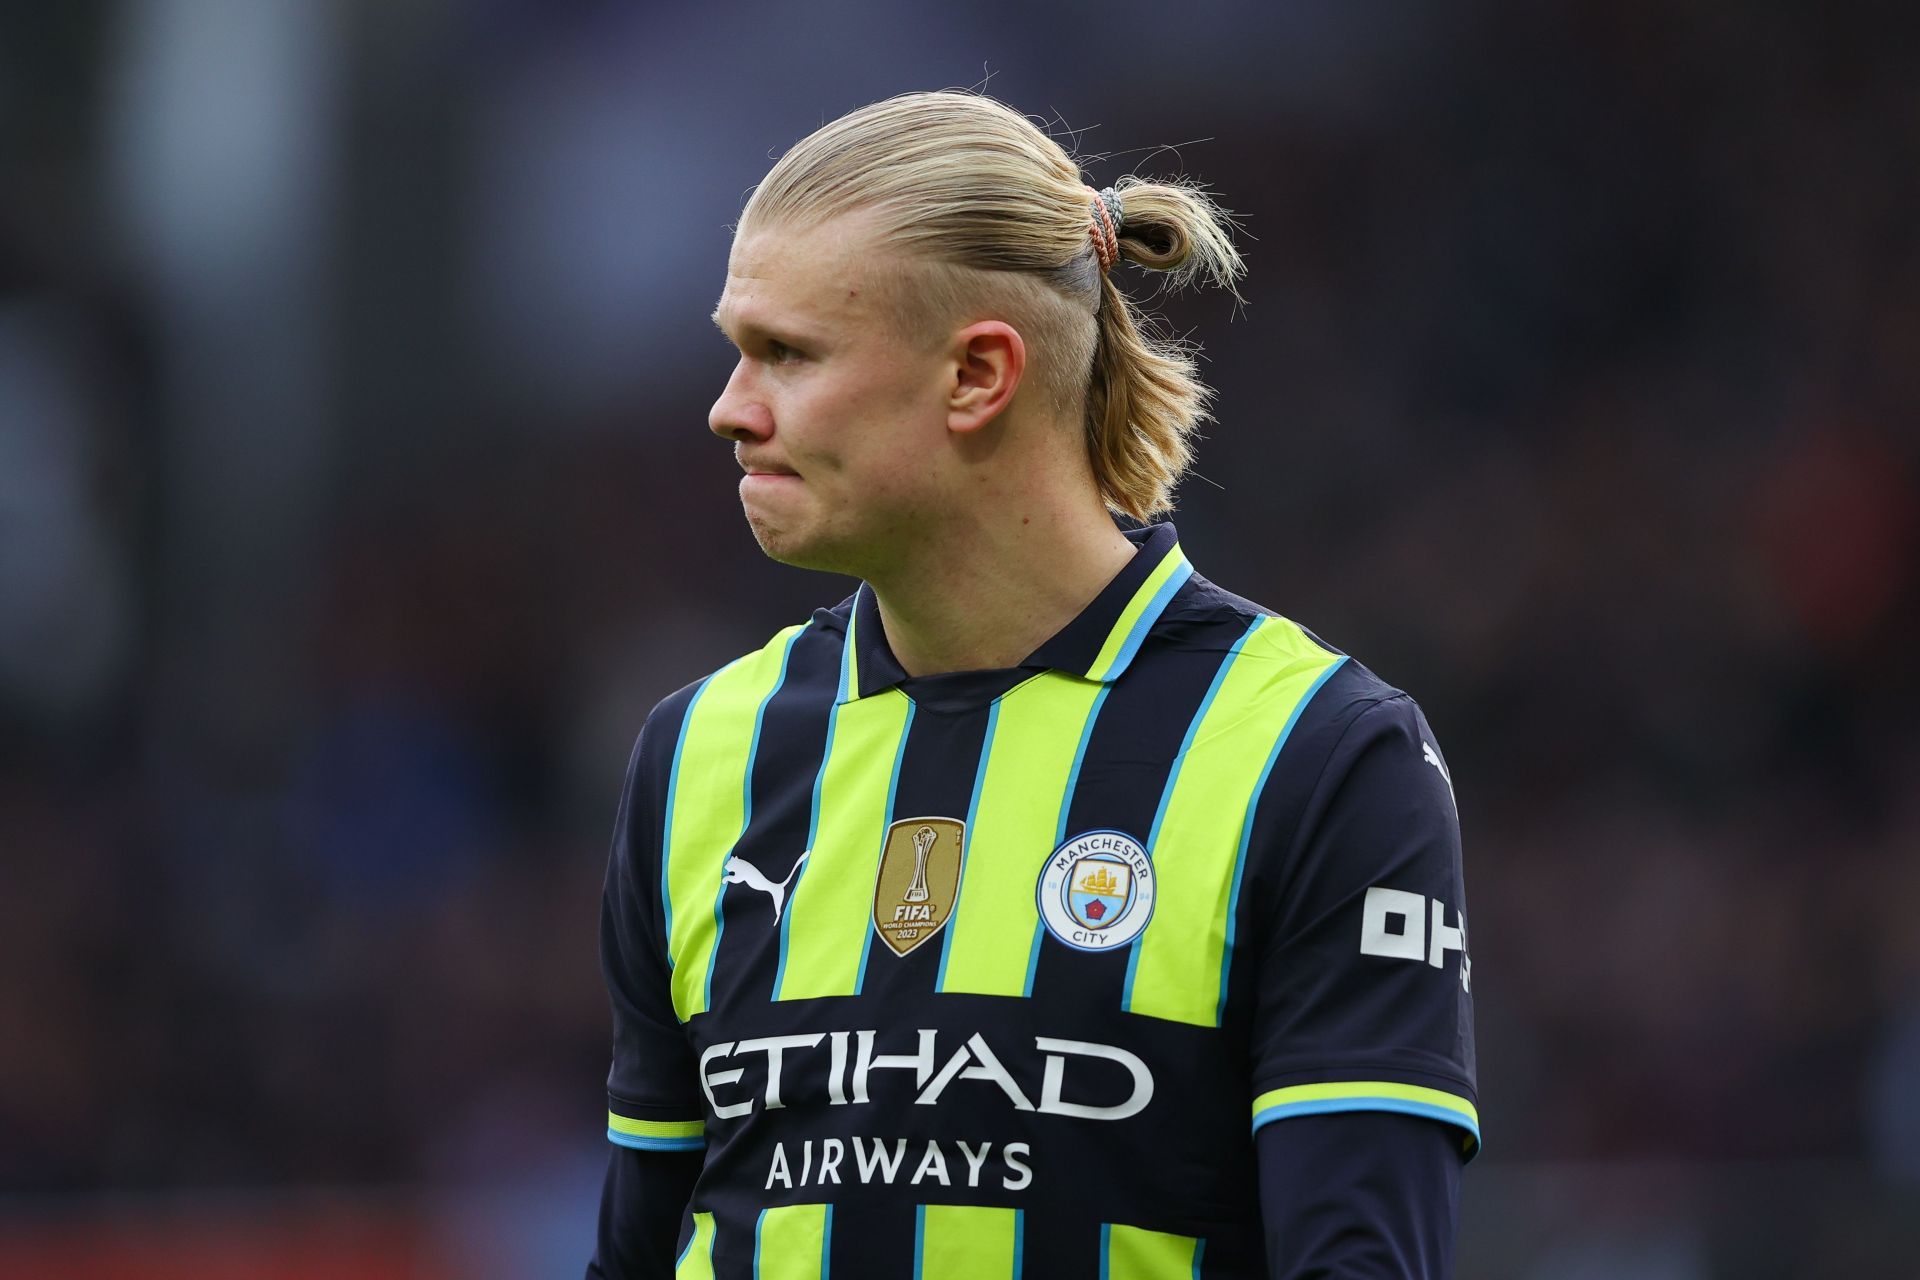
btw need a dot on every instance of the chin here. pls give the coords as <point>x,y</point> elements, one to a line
<point>801,548</point>
<point>781,541</point>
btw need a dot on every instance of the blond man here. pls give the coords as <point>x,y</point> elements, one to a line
<point>1042,909</point>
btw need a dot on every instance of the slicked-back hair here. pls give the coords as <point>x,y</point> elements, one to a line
<point>994,217</point>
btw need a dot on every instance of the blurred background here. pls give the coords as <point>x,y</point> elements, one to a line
<point>356,503</point>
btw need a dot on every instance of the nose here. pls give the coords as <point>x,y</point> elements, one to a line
<point>739,414</point>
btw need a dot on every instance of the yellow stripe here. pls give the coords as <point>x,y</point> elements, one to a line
<point>709,811</point>
<point>1117,638</point>
<point>1015,824</point>
<point>790,1243</point>
<point>1178,967</point>
<point>965,1242</point>
<point>697,1262</point>
<point>657,1128</point>
<point>830,907</point>
<point>1361,1089</point>
<point>1134,1253</point>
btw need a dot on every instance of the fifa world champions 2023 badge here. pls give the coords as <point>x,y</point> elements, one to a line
<point>1096,891</point>
<point>918,883</point>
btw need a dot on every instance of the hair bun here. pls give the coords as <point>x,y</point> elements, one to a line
<point>1175,226</point>
<point>1159,246</point>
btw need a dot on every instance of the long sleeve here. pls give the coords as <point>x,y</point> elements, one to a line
<point>641,1205</point>
<point>1359,1195</point>
<point>654,1114</point>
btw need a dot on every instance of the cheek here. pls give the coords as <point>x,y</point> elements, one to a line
<point>904,465</point>
<point>908,395</point>
<point>880,424</point>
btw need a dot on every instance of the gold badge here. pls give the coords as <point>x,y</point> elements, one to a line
<point>919,879</point>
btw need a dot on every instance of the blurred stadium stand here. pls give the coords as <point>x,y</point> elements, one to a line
<point>356,503</point>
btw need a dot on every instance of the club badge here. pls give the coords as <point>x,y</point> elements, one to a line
<point>1096,891</point>
<point>919,879</point>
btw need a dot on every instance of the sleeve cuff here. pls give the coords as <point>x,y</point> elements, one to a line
<point>656,1135</point>
<point>1372,1095</point>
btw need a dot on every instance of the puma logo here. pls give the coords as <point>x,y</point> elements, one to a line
<point>740,871</point>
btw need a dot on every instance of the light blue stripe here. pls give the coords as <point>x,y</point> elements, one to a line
<point>973,807</point>
<point>1324,1106</point>
<point>849,677</point>
<point>826,1245</point>
<point>639,1143</point>
<point>1173,776</point>
<point>1019,1242</point>
<point>1106,1249</point>
<point>757,1224</point>
<point>1246,831</point>
<point>1033,960</point>
<point>1060,830</point>
<point>919,1237</point>
<point>893,789</point>
<point>1149,616</point>
<point>813,825</point>
<point>746,810</point>
<point>666,828</point>
<point>1199,1248</point>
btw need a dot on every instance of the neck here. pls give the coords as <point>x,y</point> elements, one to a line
<point>998,585</point>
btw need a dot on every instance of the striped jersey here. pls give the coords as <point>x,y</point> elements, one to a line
<point>996,973</point>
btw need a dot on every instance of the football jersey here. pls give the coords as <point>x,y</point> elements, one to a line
<point>996,973</point>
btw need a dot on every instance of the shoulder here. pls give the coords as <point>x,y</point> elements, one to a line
<point>1343,688</point>
<point>1356,788</point>
<point>1337,708</point>
<point>800,655</point>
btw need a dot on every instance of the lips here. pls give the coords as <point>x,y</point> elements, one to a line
<point>757,466</point>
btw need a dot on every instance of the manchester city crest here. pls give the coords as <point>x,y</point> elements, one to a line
<point>1096,890</point>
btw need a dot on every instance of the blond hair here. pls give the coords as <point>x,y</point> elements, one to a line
<point>1000,217</point>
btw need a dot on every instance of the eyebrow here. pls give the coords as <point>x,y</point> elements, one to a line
<point>751,328</point>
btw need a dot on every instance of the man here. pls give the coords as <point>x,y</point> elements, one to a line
<point>1042,909</point>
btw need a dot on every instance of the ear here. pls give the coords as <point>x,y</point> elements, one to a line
<point>989,359</point>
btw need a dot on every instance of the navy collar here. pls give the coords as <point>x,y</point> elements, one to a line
<point>1096,645</point>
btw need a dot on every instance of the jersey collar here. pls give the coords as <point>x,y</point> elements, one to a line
<point>1096,645</point>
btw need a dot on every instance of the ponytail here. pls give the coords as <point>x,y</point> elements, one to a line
<point>1145,400</point>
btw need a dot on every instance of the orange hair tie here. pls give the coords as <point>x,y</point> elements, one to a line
<point>1103,228</point>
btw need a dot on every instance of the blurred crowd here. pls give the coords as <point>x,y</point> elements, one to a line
<point>356,504</point>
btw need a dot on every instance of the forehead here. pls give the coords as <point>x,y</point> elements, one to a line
<point>782,276</point>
